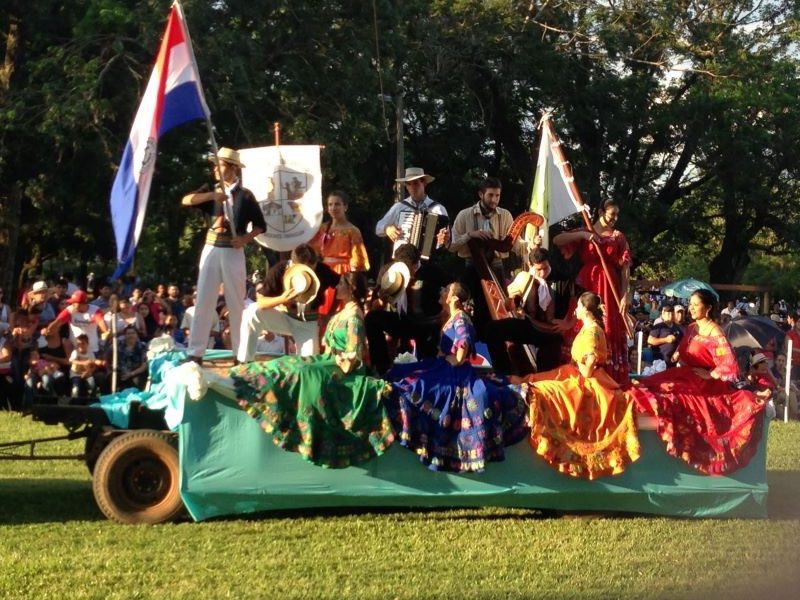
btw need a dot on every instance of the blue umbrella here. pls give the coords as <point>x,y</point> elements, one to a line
<point>683,288</point>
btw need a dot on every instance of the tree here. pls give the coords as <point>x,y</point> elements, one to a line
<point>681,110</point>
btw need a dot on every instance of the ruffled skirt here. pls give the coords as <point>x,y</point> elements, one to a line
<point>583,427</point>
<point>453,419</point>
<point>706,422</point>
<point>307,405</point>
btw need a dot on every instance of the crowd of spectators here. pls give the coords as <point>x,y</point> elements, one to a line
<point>56,339</point>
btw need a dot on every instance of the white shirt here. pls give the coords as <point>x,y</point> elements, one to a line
<point>78,356</point>
<point>83,322</point>
<point>401,215</point>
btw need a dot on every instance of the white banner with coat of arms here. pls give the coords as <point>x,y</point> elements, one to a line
<point>287,182</point>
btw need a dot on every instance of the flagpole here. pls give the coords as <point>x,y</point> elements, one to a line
<point>209,124</point>
<point>573,188</point>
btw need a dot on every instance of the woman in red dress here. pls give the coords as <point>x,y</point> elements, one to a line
<point>702,417</point>
<point>591,278</point>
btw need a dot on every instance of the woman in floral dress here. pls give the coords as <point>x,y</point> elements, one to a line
<point>324,407</point>
<point>444,411</point>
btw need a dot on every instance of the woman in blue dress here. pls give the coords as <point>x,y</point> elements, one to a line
<point>444,411</point>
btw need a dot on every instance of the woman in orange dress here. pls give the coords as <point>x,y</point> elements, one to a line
<point>338,242</point>
<point>582,423</point>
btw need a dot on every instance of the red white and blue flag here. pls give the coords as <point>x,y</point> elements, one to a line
<point>173,96</point>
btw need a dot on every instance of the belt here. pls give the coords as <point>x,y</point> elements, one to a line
<point>332,260</point>
<point>220,240</point>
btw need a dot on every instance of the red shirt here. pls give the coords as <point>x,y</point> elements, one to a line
<point>795,337</point>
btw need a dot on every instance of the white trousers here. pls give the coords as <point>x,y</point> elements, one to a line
<point>218,265</point>
<point>256,320</point>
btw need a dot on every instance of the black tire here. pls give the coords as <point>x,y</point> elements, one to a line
<point>136,478</point>
<point>93,447</point>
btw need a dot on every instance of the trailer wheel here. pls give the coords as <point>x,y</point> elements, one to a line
<point>136,478</point>
<point>93,447</point>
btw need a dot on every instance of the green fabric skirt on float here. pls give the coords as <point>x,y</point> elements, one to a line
<point>309,406</point>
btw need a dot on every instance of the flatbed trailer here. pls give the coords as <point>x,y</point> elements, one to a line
<point>219,462</point>
<point>135,474</point>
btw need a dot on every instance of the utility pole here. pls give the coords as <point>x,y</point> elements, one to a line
<point>399,131</point>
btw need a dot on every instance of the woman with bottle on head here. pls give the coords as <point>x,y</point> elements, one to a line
<point>338,242</point>
<point>582,423</point>
<point>703,418</point>
<point>605,238</point>
<point>323,406</point>
<point>452,418</point>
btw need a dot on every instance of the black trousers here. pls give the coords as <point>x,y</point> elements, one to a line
<point>522,331</point>
<point>380,323</point>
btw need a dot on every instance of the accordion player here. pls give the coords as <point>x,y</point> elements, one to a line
<point>414,224</point>
<point>417,219</point>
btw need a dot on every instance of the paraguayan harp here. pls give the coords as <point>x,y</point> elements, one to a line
<point>494,290</point>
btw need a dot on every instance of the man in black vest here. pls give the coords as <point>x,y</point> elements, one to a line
<point>231,209</point>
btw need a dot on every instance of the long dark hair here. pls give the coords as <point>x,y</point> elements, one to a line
<point>708,299</point>
<point>591,302</point>
<point>356,282</point>
<point>461,292</point>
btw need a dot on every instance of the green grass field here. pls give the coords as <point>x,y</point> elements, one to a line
<point>54,543</point>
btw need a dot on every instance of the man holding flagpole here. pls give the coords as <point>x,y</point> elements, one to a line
<point>175,96</point>
<point>232,210</point>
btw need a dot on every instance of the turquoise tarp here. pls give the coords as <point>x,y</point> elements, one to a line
<point>230,466</point>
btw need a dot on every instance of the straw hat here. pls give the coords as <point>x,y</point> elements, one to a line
<point>394,281</point>
<point>758,357</point>
<point>302,280</point>
<point>228,155</point>
<point>413,173</point>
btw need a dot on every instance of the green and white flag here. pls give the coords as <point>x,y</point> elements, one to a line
<point>554,194</point>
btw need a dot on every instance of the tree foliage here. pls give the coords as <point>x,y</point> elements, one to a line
<point>681,110</point>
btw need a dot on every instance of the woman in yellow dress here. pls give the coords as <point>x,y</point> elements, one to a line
<point>338,242</point>
<point>582,423</point>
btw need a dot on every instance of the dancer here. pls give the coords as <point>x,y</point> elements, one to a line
<point>338,242</point>
<point>703,418</point>
<point>581,421</point>
<point>223,261</point>
<point>289,305</point>
<point>614,247</point>
<point>324,406</point>
<point>444,411</point>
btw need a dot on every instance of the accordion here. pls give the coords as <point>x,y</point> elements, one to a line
<point>424,227</point>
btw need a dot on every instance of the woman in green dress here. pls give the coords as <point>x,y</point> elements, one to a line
<point>323,407</point>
